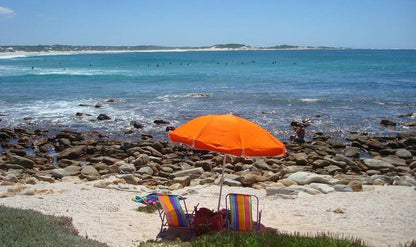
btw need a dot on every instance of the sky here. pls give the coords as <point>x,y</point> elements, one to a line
<point>377,24</point>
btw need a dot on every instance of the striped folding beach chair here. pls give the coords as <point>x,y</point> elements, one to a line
<point>172,214</point>
<point>240,216</point>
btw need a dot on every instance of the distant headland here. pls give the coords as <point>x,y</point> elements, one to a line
<point>101,48</point>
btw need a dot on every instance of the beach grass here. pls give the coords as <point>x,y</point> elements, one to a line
<point>20,228</point>
<point>148,208</point>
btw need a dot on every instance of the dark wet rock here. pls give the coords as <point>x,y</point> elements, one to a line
<point>387,122</point>
<point>102,117</point>
<point>170,128</point>
<point>160,121</point>
<point>136,124</point>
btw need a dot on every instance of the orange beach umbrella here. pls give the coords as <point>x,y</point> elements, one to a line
<point>228,134</point>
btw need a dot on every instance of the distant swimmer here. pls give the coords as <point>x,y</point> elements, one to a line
<point>33,67</point>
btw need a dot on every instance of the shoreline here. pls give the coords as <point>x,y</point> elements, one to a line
<point>73,52</point>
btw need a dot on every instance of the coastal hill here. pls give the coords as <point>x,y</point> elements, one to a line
<point>81,48</point>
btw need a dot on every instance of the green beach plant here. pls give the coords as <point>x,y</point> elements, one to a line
<point>20,228</point>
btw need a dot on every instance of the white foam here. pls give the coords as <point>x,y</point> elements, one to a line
<point>309,100</point>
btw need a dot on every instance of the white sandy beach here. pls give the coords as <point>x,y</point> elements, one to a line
<point>381,215</point>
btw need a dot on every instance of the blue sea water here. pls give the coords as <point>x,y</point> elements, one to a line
<point>341,91</point>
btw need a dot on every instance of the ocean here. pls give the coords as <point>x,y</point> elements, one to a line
<point>340,91</point>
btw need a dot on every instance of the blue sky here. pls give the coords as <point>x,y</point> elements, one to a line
<point>339,23</point>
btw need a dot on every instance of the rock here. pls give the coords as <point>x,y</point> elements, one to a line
<point>352,152</point>
<point>136,124</point>
<point>45,178</point>
<point>28,191</point>
<point>141,160</point>
<point>340,157</point>
<point>11,178</point>
<point>231,182</point>
<point>261,164</point>
<point>379,180</point>
<point>404,181</point>
<point>188,172</point>
<point>72,152</point>
<point>7,194</point>
<point>73,170</point>
<point>320,163</point>
<point>377,164</point>
<point>387,122</point>
<point>336,143</point>
<point>159,121</point>
<point>342,188</point>
<point>59,173</point>
<point>127,168</point>
<point>22,161</point>
<point>300,158</point>
<point>176,186</point>
<point>102,184</point>
<point>145,170</point>
<point>287,182</point>
<point>356,185</point>
<point>281,191</point>
<point>130,179</point>
<point>303,178</point>
<point>404,153</point>
<point>184,181</point>
<point>90,173</point>
<point>102,117</point>
<point>394,160</point>
<point>206,165</point>
<point>72,179</point>
<point>324,188</point>
<point>248,179</point>
<point>332,169</point>
<point>410,124</point>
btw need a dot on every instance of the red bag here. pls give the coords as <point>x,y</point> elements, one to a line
<point>207,221</point>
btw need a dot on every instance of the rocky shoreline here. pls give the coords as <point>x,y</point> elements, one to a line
<point>322,165</point>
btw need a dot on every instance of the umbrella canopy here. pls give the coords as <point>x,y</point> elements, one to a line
<point>228,134</point>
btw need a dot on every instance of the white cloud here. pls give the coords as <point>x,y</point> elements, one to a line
<point>9,13</point>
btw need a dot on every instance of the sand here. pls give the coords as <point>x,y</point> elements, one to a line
<point>381,215</point>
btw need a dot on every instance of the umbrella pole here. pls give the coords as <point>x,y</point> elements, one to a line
<point>222,181</point>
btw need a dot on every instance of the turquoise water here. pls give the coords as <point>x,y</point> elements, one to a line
<point>339,90</point>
